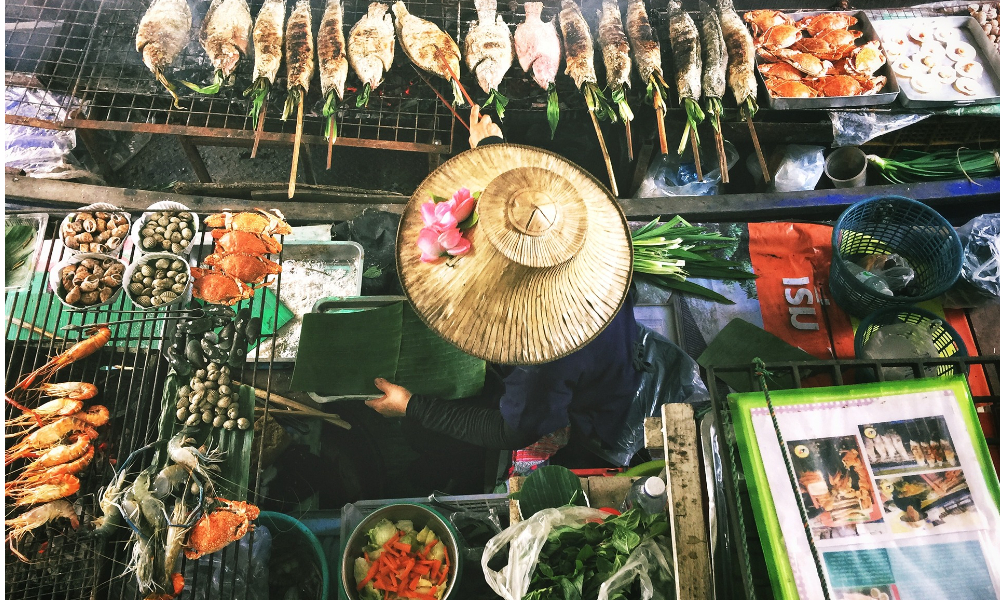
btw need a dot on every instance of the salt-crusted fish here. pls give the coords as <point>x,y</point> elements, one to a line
<point>331,50</point>
<point>615,51</point>
<point>371,46</point>
<point>300,61</point>
<point>580,59</point>
<point>539,50</point>
<point>645,45</point>
<point>488,52</point>
<point>225,36</point>
<point>739,46</point>
<point>163,32</point>
<point>686,50</point>
<point>429,47</point>
<point>268,42</point>
<point>713,64</point>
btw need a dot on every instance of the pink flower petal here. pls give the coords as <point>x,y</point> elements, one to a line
<point>449,238</point>
<point>460,248</point>
<point>427,213</point>
<point>427,241</point>
<point>463,206</point>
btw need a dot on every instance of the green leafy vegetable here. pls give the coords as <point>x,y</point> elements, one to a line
<point>382,532</point>
<point>499,100</point>
<point>597,103</point>
<point>291,102</point>
<point>552,109</point>
<point>694,117</point>
<point>330,112</point>
<point>363,96</point>
<point>656,90</point>
<point>911,166</point>
<point>549,487</point>
<point>19,245</point>
<point>210,89</point>
<point>258,91</point>
<point>619,97</point>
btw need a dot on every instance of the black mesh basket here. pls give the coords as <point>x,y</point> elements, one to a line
<point>946,340</point>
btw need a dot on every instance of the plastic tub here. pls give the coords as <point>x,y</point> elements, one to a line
<point>56,284</point>
<point>946,340</point>
<point>280,524</point>
<point>887,225</point>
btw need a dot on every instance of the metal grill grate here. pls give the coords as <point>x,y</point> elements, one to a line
<point>748,559</point>
<point>129,374</point>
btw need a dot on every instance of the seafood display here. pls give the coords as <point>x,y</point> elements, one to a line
<point>164,31</point>
<point>211,398</point>
<point>686,49</point>
<point>90,280</point>
<point>617,63</point>
<point>243,240</point>
<point>268,47</point>
<point>371,46</point>
<point>713,79</point>
<point>488,52</point>
<point>539,51</point>
<point>225,36</point>
<point>646,51</point>
<point>331,50</point>
<point>100,232</point>
<point>196,345</point>
<point>158,280</point>
<point>167,230</point>
<point>429,47</point>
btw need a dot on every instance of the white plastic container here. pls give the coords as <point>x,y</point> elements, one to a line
<point>166,205</point>
<point>56,285</point>
<point>98,207</point>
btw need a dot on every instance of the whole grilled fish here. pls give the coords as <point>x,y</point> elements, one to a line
<point>268,39</point>
<point>739,45</point>
<point>579,44</point>
<point>430,48</point>
<point>332,50</point>
<point>614,45</point>
<point>715,58</point>
<point>488,51</point>
<point>225,34</point>
<point>371,46</point>
<point>645,45</point>
<point>686,49</point>
<point>163,32</point>
<point>299,49</point>
<point>537,45</point>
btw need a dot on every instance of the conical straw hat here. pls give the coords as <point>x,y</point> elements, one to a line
<point>550,264</point>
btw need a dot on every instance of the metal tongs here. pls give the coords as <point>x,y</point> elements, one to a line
<point>166,315</point>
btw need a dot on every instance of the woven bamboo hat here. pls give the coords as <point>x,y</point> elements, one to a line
<point>550,264</point>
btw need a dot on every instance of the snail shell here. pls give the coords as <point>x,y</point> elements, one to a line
<point>103,236</point>
<point>76,226</point>
<point>106,293</point>
<point>113,280</point>
<point>102,224</point>
<point>120,231</point>
<point>85,238</point>
<point>85,247</point>
<point>68,270</point>
<point>89,225</point>
<point>116,268</point>
<point>88,263</point>
<point>82,271</point>
<point>97,270</point>
<point>73,296</point>
<point>71,243</point>
<point>89,298</point>
<point>101,215</point>
<point>90,283</point>
<point>100,248</point>
<point>113,242</point>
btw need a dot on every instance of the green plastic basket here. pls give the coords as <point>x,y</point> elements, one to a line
<point>893,225</point>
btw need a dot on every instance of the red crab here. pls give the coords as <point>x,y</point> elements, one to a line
<point>218,288</point>
<point>270,223</point>
<point>780,70</point>
<point>823,22</point>
<point>783,88</point>
<point>228,522</point>
<point>242,241</point>
<point>846,85</point>
<point>779,36</point>
<point>248,268</point>
<point>762,20</point>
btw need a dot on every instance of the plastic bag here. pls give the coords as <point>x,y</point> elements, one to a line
<point>40,152</point>
<point>375,230</point>
<point>856,128</point>
<point>652,563</point>
<point>893,269</point>
<point>800,168</point>
<point>979,282</point>
<point>669,376</point>
<point>903,340</point>
<point>673,175</point>
<point>240,571</point>
<point>526,540</point>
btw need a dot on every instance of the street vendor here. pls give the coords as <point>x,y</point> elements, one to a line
<point>540,290</point>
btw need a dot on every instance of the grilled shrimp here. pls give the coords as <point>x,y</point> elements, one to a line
<point>73,390</point>
<point>48,436</point>
<point>30,479</point>
<point>19,526</point>
<point>63,453</point>
<point>47,412</point>
<point>95,416</point>
<point>54,488</point>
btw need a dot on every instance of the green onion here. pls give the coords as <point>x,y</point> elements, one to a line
<point>499,100</point>
<point>170,87</point>
<point>210,89</point>
<point>259,90</point>
<point>624,110</point>
<point>713,107</point>
<point>363,96</point>
<point>912,166</point>
<point>694,117</point>
<point>656,83</point>
<point>330,112</point>
<point>552,109</point>
<point>597,103</point>
<point>291,102</point>
<point>668,254</point>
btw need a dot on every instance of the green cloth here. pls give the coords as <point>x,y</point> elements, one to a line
<point>341,354</point>
<point>739,343</point>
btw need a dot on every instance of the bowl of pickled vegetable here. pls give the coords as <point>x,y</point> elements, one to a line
<point>401,551</point>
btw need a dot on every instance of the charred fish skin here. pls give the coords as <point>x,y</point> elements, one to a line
<point>164,31</point>
<point>427,45</point>
<point>686,50</point>
<point>332,50</point>
<point>225,34</point>
<point>538,46</point>
<point>645,45</point>
<point>268,40</point>
<point>614,45</point>
<point>488,48</point>
<point>299,47</point>
<point>579,44</point>
<point>713,74</point>
<point>371,45</point>
<point>739,46</point>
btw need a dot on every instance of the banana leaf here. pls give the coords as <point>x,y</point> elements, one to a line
<point>549,487</point>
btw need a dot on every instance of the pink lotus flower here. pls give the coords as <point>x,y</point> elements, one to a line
<point>434,244</point>
<point>464,204</point>
<point>439,216</point>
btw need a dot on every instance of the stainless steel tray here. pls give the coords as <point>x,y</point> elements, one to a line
<point>886,96</point>
<point>970,32</point>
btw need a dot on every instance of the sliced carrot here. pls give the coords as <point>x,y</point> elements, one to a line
<point>369,575</point>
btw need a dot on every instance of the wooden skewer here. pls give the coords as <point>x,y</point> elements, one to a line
<point>697,153</point>
<point>604,151</point>
<point>297,408</point>
<point>259,130</point>
<point>760,153</point>
<point>661,128</point>
<point>720,149</point>
<point>22,325</point>
<point>628,139</point>
<point>283,412</point>
<point>329,146</point>
<point>455,78</point>
<point>442,98</point>
<point>295,148</point>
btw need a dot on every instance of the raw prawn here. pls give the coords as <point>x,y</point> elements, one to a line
<point>56,487</point>
<point>35,518</point>
<point>73,390</point>
<point>46,412</point>
<point>48,436</point>
<point>193,459</point>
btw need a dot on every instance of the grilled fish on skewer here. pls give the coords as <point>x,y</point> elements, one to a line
<point>268,42</point>
<point>686,49</point>
<point>225,36</point>
<point>646,50</point>
<point>331,50</point>
<point>713,78</point>
<point>370,48</point>
<point>300,65</point>
<point>538,49</point>
<point>617,63</point>
<point>488,52</point>
<point>430,48</point>
<point>163,33</point>
<point>739,46</point>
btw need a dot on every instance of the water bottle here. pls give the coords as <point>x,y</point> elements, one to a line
<point>869,279</point>
<point>648,494</point>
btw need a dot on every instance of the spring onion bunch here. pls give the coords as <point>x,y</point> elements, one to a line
<point>668,254</point>
<point>258,92</point>
<point>210,89</point>
<point>912,166</point>
<point>330,114</point>
<point>498,100</point>
<point>552,108</point>
<point>694,117</point>
<point>597,103</point>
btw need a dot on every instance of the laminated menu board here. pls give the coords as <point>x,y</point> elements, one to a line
<point>899,491</point>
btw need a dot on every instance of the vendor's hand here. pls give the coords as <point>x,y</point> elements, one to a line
<point>481,128</point>
<point>393,401</point>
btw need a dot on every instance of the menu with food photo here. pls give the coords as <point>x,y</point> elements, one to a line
<point>896,483</point>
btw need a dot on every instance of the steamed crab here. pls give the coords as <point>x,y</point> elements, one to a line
<point>762,20</point>
<point>248,268</point>
<point>780,70</point>
<point>807,63</point>
<point>228,522</point>
<point>817,23</point>
<point>785,88</point>
<point>846,85</point>
<point>217,287</point>
<point>832,44</point>
<point>241,241</point>
<point>779,36</point>
<point>866,59</point>
<point>260,222</point>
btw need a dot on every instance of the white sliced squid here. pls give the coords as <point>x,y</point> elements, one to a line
<point>908,68</point>
<point>947,35</point>
<point>925,83</point>
<point>946,75</point>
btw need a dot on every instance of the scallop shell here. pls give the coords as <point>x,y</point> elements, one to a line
<point>967,85</point>
<point>970,69</point>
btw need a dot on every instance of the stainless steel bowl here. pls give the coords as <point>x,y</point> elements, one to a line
<point>421,516</point>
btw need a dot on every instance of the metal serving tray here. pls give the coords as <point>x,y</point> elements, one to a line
<point>886,96</point>
<point>970,32</point>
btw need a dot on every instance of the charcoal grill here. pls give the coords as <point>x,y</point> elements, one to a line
<point>129,373</point>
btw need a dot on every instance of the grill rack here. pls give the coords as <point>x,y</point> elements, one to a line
<point>129,373</point>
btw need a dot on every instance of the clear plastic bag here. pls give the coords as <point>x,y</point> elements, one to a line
<point>856,128</point>
<point>979,282</point>
<point>652,563</point>
<point>673,175</point>
<point>240,571</point>
<point>800,168</point>
<point>40,152</point>
<point>893,269</point>
<point>525,541</point>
